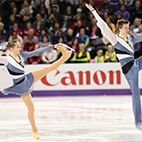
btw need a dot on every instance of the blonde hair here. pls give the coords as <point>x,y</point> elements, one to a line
<point>120,23</point>
<point>11,44</point>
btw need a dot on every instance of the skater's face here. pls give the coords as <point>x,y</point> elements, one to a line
<point>17,48</point>
<point>125,29</point>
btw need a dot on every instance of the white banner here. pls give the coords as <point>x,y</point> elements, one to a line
<point>75,77</point>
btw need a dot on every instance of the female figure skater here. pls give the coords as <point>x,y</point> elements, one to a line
<point>123,44</point>
<point>23,83</point>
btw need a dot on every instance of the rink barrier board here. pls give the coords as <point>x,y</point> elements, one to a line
<point>76,80</point>
<point>75,93</point>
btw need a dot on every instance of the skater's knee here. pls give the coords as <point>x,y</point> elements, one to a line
<point>31,110</point>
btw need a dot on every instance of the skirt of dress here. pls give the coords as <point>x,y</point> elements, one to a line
<point>22,89</point>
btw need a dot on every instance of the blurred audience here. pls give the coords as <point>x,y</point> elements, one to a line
<point>99,58</point>
<point>69,36</point>
<point>49,56</point>
<point>44,42</point>
<point>26,30</point>
<point>31,34</point>
<point>15,36</point>
<point>3,32</point>
<point>17,29</point>
<point>29,46</point>
<point>110,55</point>
<point>75,43</point>
<point>82,55</point>
<point>37,58</point>
<point>83,38</point>
<point>37,23</point>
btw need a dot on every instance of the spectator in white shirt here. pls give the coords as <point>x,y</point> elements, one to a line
<point>16,37</point>
<point>49,56</point>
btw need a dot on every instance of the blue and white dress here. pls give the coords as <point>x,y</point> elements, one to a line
<point>22,83</point>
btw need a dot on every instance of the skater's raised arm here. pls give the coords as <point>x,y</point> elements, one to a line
<point>105,30</point>
<point>26,55</point>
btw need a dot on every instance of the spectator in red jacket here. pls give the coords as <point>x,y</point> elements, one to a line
<point>78,27</point>
<point>30,33</point>
<point>17,29</point>
<point>65,24</point>
<point>37,58</point>
<point>29,26</point>
<point>77,17</point>
<point>29,46</point>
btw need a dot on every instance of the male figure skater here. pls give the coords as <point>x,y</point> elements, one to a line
<point>123,44</point>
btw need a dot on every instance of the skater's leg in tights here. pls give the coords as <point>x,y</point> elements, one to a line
<point>30,106</point>
<point>38,74</point>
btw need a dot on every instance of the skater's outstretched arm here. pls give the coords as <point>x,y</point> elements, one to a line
<point>26,55</point>
<point>105,30</point>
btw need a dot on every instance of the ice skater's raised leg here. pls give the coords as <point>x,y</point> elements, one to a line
<point>38,74</point>
<point>30,106</point>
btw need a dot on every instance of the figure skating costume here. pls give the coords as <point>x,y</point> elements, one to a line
<point>22,83</point>
<point>130,66</point>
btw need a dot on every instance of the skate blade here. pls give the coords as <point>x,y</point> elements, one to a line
<point>71,50</point>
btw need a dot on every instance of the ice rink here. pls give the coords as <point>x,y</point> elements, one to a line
<point>70,119</point>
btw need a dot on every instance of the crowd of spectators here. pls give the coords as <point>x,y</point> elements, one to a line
<point>39,23</point>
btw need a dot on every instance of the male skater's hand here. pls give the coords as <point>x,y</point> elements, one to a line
<point>89,6</point>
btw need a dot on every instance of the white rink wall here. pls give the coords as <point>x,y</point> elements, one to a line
<point>76,77</point>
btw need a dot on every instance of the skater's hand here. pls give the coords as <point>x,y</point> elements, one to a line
<point>89,7</point>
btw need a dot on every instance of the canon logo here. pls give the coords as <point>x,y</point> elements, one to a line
<point>85,78</point>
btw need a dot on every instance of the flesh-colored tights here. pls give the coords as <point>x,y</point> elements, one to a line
<point>37,75</point>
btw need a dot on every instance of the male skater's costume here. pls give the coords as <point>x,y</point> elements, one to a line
<point>23,83</point>
<point>130,66</point>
